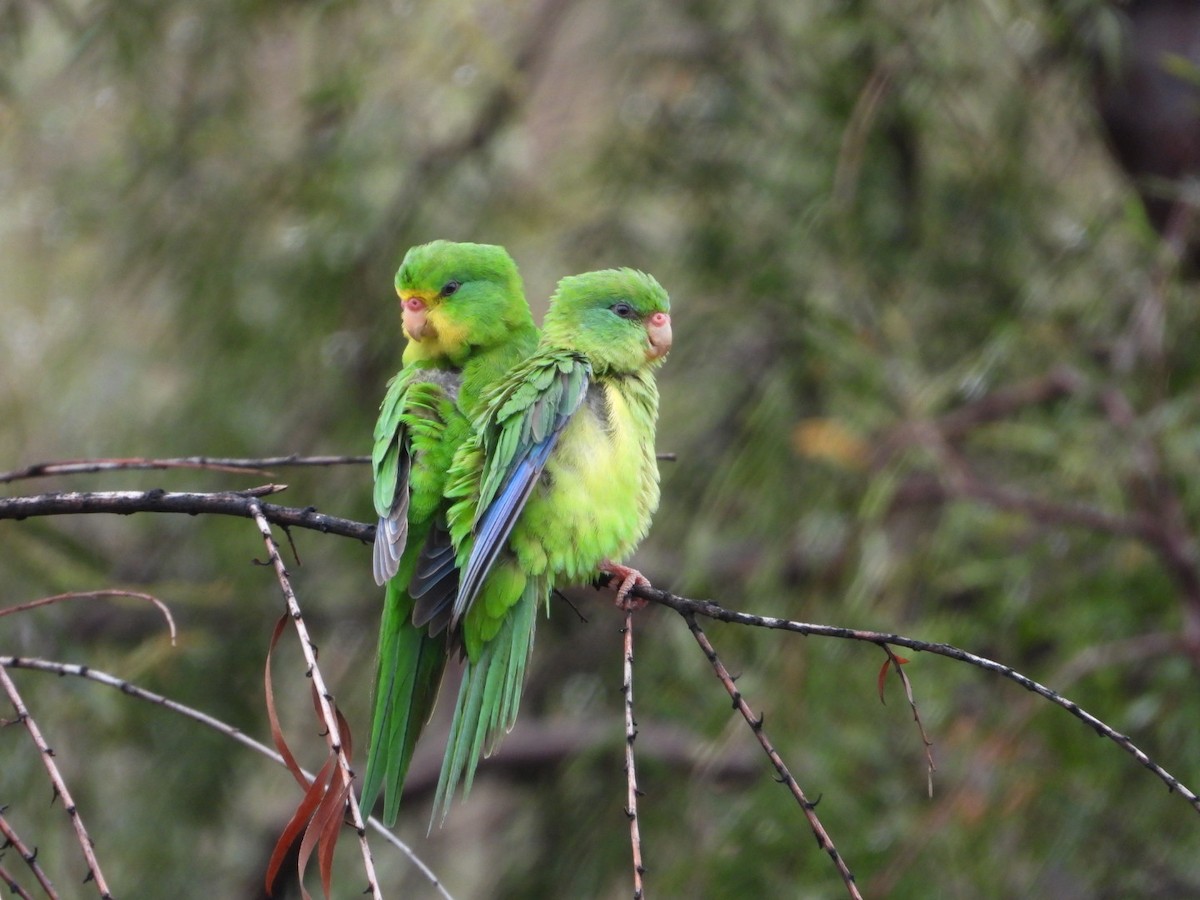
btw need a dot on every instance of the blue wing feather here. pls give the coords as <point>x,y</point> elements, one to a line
<point>497,523</point>
<point>542,420</point>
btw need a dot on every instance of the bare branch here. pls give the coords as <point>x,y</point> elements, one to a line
<point>12,839</point>
<point>247,504</point>
<point>756,725</point>
<point>635,835</point>
<point>192,503</point>
<point>11,883</point>
<point>60,786</point>
<point>333,735</point>
<point>212,463</point>
<point>225,503</point>
<point>236,734</point>
<point>707,608</point>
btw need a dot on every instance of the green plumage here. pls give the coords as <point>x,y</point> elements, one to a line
<point>558,476</point>
<point>477,326</point>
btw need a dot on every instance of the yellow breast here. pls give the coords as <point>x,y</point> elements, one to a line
<point>597,493</point>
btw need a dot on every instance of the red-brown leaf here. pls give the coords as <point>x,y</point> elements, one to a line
<point>317,821</point>
<point>297,825</point>
<point>329,836</point>
<point>883,670</point>
<point>324,826</point>
<point>272,715</point>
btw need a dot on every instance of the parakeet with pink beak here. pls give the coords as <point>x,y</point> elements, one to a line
<point>464,313</point>
<point>557,481</point>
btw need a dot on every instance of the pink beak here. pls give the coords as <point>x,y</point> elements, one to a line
<point>414,314</point>
<point>658,329</point>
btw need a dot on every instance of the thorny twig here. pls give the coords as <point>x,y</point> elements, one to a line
<point>11,838</point>
<point>631,810</point>
<point>60,786</point>
<point>324,698</point>
<point>237,503</point>
<point>226,503</point>
<point>191,503</point>
<point>709,609</point>
<point>785,776</point>
<point>936,818</point>
<point>11,883</point>
<point>236,734</point>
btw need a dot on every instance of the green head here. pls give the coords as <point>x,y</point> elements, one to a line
<point>619,318</point>
<point>457,299</point>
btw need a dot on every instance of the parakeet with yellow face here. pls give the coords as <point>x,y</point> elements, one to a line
<point>464,313</point>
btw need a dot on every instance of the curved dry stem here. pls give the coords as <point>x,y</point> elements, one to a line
<point>898,664</point>
<point>91,595</point>
<point>60,786</point>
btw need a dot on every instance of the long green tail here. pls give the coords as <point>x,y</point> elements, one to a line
<point>489,696</point>
<point>408,675</point>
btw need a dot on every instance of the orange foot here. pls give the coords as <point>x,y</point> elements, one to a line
<point>629,578</point>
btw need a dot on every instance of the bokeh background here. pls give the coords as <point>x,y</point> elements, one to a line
<point>935,372</point>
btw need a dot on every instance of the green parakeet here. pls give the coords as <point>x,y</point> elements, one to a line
<point>467,323</point>
<point>558,479</point>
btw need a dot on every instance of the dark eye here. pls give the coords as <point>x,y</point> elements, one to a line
<point>624,310</point>
<point>450,287</point>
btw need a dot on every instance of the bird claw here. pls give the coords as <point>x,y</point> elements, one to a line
<point>630,578</point>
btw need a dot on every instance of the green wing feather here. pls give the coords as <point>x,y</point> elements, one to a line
<point>412,421</point>
<point>490,694</point>
<point>390,464</point>
<point>426,427</point>
<point>408,673</point>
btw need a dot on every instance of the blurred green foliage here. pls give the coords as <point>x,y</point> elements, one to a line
<point>873,216</point>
